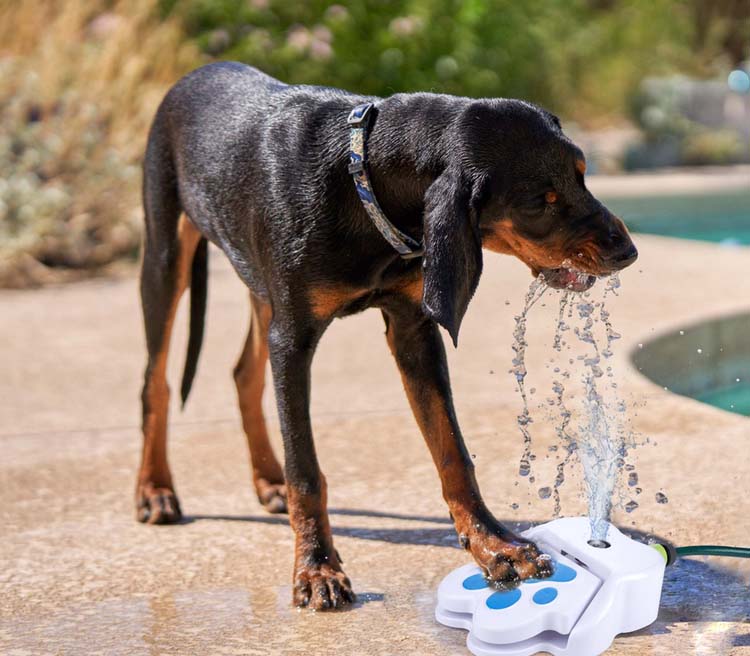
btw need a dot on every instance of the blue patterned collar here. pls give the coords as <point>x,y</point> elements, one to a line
<point>404,245</point>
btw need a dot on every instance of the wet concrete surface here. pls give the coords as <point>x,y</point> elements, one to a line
<point>79,576</point>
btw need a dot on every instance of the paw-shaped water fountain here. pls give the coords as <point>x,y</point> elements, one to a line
<point>593,594</point>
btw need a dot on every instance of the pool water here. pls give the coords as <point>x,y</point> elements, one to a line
<point>708,361</point>
<point>735,398</point>
<point>723,218</point>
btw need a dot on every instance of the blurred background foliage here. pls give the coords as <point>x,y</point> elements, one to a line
<point>583,58</point>
<point>79,83</point>
<point>81,79</point>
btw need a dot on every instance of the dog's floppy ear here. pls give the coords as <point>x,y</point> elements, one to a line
<point>452,250</point>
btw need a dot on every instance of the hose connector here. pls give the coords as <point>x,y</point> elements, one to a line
<point>668,551</point>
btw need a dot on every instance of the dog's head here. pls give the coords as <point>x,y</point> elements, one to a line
<point>514,183</point>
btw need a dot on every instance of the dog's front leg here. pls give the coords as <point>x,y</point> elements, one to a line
<point>319,582</point>
<point>418,348</point>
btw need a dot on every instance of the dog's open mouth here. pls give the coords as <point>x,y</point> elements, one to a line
<point>570,279</point>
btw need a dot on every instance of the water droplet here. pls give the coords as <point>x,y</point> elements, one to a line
<point>661,498</point>
<point>514,506</point>
<point>545,492</point>
<point>699,351</point>
<point>632,479</point>
<point>682,332</point>
<point>630,506</point>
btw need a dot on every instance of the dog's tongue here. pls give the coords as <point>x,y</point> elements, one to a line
<point>564,278</point>
<point>569,277</point>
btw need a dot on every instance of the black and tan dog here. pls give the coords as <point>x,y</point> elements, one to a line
<point>260,169</point>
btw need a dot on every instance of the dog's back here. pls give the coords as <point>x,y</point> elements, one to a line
<point>235,138</point>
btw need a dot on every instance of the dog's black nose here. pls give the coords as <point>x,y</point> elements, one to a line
<point>624,257</point>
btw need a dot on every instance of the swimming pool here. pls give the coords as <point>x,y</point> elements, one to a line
<point>723,218</point>
<point>708,361</point>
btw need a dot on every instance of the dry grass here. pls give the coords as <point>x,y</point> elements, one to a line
<point>79,83</point>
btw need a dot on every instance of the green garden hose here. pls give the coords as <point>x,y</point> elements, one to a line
<point>714,550</point>
<point>672,553</point>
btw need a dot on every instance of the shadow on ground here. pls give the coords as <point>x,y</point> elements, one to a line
<point>693,591</point>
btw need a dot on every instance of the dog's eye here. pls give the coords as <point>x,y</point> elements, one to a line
<point>550,197</point>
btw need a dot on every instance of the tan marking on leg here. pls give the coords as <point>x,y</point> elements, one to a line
<point>154,472</point>
<point>498,552</point>
<point>581,166</point>
<point>433,418</point>
<point>309,521</point>
<point>319,581</point>
<point>249,377</point>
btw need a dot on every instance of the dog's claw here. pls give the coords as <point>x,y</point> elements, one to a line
<point>158,506</point>
<point>322,588</point>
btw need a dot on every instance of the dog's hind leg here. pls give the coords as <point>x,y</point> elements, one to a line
<point>169,246</point>
<point>249,376</point>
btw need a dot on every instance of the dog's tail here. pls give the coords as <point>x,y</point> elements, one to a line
<point>198,296</point>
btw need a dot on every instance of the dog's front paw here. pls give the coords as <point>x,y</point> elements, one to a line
<point>157,505</point>
<point>506,559</point>
<point>322,587</point>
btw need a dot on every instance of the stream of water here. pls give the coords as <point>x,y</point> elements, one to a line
<point>593,426</point>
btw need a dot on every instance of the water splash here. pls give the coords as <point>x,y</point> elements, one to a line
<point>601,436</point>
<point>570,446</point>
<point>536,290</point>
<point>598,452</point>
<point>604,434</point>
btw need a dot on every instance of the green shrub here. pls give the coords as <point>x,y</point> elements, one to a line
<point>578,57</point>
